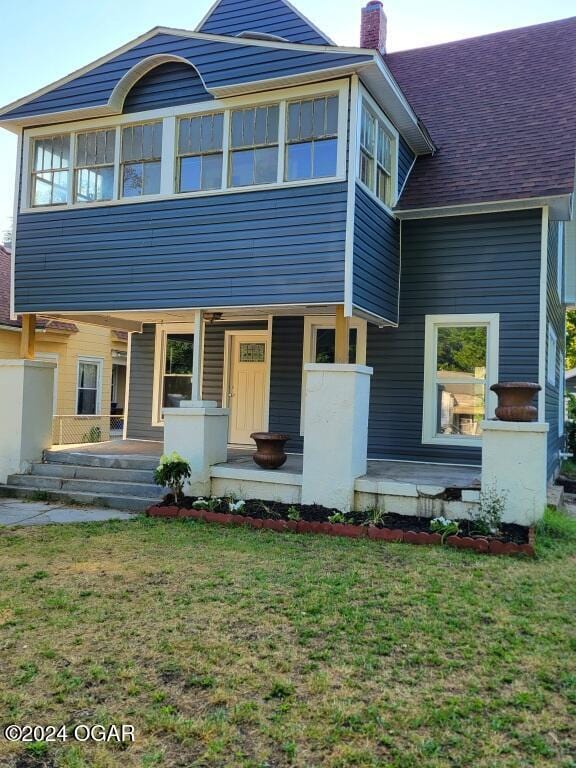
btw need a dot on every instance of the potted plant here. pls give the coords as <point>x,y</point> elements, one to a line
<point>270,453</point>
<point>172,473</point>
<point>514,400</point>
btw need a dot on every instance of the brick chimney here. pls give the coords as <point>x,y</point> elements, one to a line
<point>373,27</point>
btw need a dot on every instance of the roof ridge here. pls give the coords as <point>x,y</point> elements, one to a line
<point>463,40</point>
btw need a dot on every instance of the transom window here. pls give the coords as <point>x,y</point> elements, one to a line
<point>50,170</point>
<point>94,165</point>
<point>459,368</point>
<point>376,153</point>
<point>312,138</point>
<point>254,143</point>
<point>141,156</point>
<point>200,155</point>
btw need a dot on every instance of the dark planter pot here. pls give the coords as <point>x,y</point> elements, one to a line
<point>270,452</point>
<point>514,400</point>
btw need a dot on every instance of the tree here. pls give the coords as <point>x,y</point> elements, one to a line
<point>571,339</point>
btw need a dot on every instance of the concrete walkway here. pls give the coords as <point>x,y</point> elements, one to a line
<point>15,512</point>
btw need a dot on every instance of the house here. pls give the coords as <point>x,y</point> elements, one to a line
<point>90,367</point>
<point>272,216</point>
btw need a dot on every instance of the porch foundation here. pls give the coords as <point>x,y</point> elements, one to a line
<point>26,410</point>
<point>336,410</point>
<point>514,468</point>
<point>198,431</point>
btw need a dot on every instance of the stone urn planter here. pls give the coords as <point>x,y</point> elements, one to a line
<point>270,452</point>
<point>514,400</point>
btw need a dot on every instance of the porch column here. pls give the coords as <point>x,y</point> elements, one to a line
<point>514,468</point>
<point>26,402</point>
<point>335,432</point>
<point>198,354</point>
<point>28,337</point>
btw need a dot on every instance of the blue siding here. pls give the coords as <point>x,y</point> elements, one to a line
<point>463,264</point>
<point>230,17</point>
<point>272,246</point>
<point>286,379</point>
<point>166,86</point>
<point>405,160</point>
<point>555,316</point>
<point>376,270</point>
<point>219,64</point>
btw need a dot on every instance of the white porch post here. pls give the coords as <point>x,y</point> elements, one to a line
<point>198,429</point>
<point>514,467</point>
<point>335,432</point>
<point>26,410</point>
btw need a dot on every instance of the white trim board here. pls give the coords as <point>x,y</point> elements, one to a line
<point>161,332</point>
<point>560,208</point>
<point>543,320</point>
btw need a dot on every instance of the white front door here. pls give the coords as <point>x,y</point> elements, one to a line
<point>247,385</point>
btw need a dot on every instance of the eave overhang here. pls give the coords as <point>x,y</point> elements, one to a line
<point>560,206</point>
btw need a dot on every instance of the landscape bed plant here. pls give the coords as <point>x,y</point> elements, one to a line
<point>483,534</point>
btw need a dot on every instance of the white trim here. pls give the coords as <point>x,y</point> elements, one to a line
<point>168,156</point>
<point>560,262</point>
<point>312,323</point>
<point>551,356</point>
<point>117,163</point>
<point>282,117</point>
<point>561,206</point>
<point>127,389</point>
<point>198,355</point>
<point>373,318</point>
<point>17,190</point>
<point>561,392</point>
<point>407,174</point>
<point>229,334</point>
<point>543,314</point>
<point>353,139</point>
<point>99,362</point>
<point>161,330</point>
<point>429,412</point>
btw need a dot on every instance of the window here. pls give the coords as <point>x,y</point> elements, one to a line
<point>200,152</point>
<point>312,138</point>
<point>173,364</point>
<point>88,386</point>
<point>141,156</point>
<point>461,361</point>
<point>254,146</point>
<point>377,148</point>
<point>552,354</point>
<point>94,166</point>
<point>50,170</point>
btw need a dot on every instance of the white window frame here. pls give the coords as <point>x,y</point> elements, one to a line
<point>429,416</point>
<point>561,396</point>
<point>313,323</point>
<point>161,334</point>
<point>99,362</point>
<point>169,117</point>
<point>552,355</point>
<point>365,98</point>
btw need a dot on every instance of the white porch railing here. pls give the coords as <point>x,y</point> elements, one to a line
<point>73,429</point>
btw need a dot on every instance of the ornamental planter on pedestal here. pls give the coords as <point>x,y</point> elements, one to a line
<point>514,398</point>
<point>270,452</point>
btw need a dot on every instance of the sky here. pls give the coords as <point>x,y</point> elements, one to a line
<point>42,42</point>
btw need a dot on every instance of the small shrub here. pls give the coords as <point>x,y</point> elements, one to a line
<point>293,513</point>
<point>94,435</point>
<point>172,473</point>
<point>373,516</point>
<point>444,527</point>
<point>570,433</point>
<point>487,519</point>
<point>236,507</point>
<point>338,517</point>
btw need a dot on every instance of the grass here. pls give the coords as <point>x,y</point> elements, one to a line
<point>235,648</point>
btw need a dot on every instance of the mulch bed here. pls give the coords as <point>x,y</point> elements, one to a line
<point>514,539</point>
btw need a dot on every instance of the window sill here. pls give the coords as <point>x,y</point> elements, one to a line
<point>183,195</point>
<point>455,441</point>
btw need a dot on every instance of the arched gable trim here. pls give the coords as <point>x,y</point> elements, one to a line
<point>129,80</point>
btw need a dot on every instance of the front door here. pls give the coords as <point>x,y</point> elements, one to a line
<point>247,383</point>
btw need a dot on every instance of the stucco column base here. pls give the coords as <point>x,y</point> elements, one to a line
<point>26,403</point>
<point>514,466</point>
<point>335,432</point>
<point>200,435</point>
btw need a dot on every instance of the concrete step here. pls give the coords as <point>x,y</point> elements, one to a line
<point>79,472</point>
<point>94,487</point>
<point>127,503</point>
<point>109,461</point>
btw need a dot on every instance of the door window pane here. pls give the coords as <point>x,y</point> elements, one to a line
<point>252,353</point>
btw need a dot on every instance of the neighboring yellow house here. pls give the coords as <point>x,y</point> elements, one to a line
<point>90,375</point>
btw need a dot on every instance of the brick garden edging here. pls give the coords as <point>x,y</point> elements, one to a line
<point>482,545</point>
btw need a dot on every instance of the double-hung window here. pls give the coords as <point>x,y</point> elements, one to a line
<point>88,386</point>
<point>200,154</point>
<point>50,170</point>
<point>94,166</point>
<point>312,138</point>
<point>377,148</point>
<point>254,146</point>
<point>173,364</point>
<point>141,159</point>
<point>461,361</point>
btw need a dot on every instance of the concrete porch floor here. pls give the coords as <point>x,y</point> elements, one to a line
<point>240,459</point>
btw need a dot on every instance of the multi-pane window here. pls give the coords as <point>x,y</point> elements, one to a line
<point>94,166</point>
<point>200,152</point>
<point>376,148</point>
<point>50,170</point>
<point>88,387</point>
<point>177,374</point>
<point>312,138</point>
<point>254,146</point>
<point>141,159</point>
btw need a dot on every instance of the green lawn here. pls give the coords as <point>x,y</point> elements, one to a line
<point>234,647</point>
